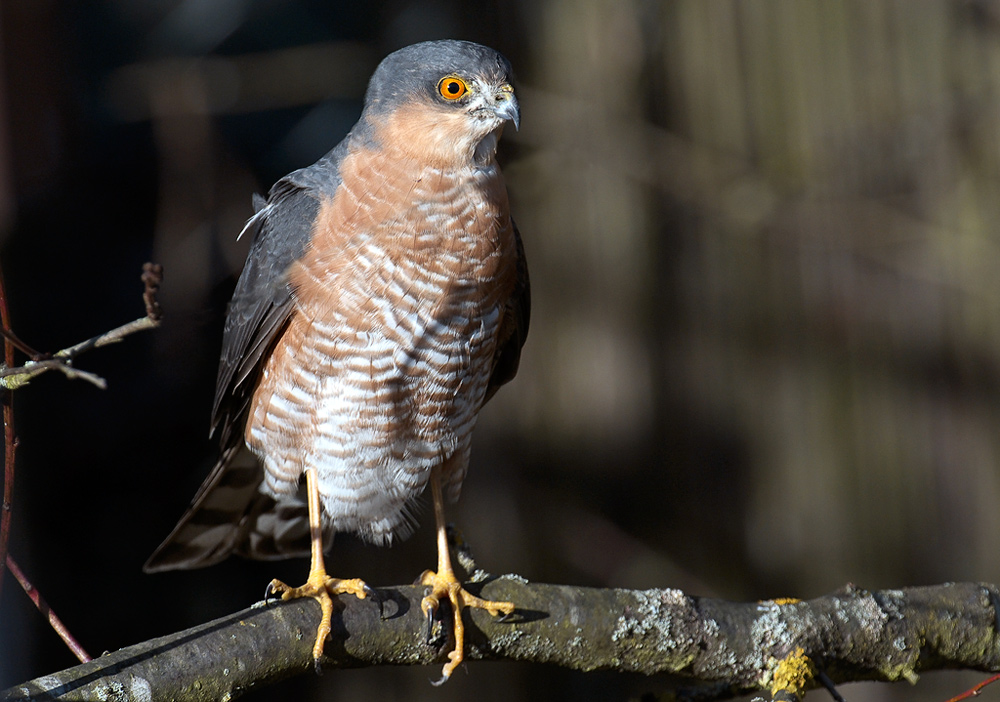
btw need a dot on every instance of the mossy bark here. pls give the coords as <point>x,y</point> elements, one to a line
<point>771,646</point>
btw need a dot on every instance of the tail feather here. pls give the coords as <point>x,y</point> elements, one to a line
<point>230,515</point>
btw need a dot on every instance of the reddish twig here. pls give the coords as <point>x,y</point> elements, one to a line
<point>9,439</point>
<point>974,692</point>
<point>152,276</point>
<point>35,596</point>
<point>21,346</point>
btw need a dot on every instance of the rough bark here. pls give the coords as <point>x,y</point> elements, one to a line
<point>779,647</point>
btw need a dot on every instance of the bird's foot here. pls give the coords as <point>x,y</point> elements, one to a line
<point>321,588</point>
<point>447,586</point>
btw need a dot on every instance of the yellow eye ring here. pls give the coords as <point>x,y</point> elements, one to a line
<point>452,87</point>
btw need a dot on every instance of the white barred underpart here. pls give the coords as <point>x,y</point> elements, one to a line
<point>395,362</point>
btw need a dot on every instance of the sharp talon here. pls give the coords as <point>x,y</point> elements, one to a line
<point>372,593</point>
<point>319,586</point>
<point>377,599</point>
<point>268,591</point>
<point>505,617</point>
<point>444,587</point>
<point>439,683</point>
<point>430,625</point>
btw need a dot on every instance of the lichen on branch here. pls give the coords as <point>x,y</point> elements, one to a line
<point>780,647</point>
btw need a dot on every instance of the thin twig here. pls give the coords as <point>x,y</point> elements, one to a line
<point>974,692</point>
<point>464,555</point>
<point>152,276</point>
<point>21,346</point>
<point>9,438</point>
<point>35,596</point>
<point>111,337</point>
<point>12,377</point>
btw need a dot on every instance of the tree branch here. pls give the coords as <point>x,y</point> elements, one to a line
<point>13,377</point>
<point>9,437</point>
<point>54,621</point>
<point>18,376</point>
<point>779,647</point>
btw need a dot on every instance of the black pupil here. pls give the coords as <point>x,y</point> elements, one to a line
<point>453,87</point>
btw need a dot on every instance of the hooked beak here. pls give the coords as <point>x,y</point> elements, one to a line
<point>506,107</point>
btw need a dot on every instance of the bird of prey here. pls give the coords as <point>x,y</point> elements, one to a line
<point>383,302</point>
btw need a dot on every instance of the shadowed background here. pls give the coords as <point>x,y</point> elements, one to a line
<point>765,347</point>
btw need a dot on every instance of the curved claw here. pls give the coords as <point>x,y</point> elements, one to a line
<point>429,613</point>
<point>447,587</point>
<point>376,598</point>
<point>440,681</point>
<point>320,587</point>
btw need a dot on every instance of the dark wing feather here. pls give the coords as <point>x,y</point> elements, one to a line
<point>513,326</point>
<point>262,302</point>
<point>229,513</point>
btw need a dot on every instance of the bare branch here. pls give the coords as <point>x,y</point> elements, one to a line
<point>975,690</point>
<point>152,277</point>
<point>17,377</point>
<point>12,377</point>
<point>54,621</point>
<point>9,437</point>
<point>728,648</point>
<point>21,346</point>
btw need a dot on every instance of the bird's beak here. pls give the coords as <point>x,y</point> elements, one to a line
<point>506,107</point>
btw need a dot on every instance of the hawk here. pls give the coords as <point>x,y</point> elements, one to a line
<point>383,302</point>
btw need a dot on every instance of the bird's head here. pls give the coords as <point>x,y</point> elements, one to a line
<point>443,102</point>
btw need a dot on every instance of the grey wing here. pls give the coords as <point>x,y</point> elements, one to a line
<point>261,305</point>
<point>263,300</point>
<point>229,513</point>
<point>513,326</point>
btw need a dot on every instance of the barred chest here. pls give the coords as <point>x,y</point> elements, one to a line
<point>385,365</point>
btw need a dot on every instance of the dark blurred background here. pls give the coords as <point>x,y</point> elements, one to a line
<point>765,347</point>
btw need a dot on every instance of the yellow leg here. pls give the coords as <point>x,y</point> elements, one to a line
<point>319,586</point>
<point>444,584</point>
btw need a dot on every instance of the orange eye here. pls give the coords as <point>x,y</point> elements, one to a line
<point>452,87</point>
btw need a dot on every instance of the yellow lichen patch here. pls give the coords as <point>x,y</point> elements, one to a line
<point>785,600</point>
<point>794,673</point>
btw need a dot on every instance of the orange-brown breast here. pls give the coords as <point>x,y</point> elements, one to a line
<point>384,364</point>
